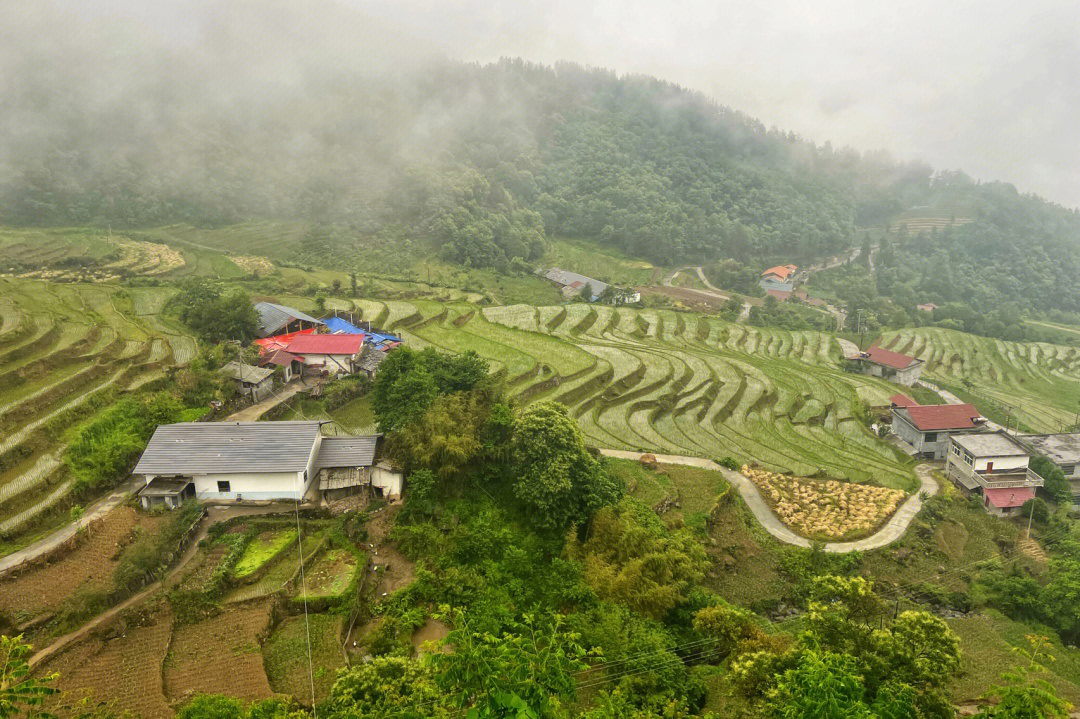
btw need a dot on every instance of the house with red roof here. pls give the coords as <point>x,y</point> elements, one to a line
<point>334,354</point>
<point>780,278</point>
<point>927,428</point>
<point>995,466</point>
<point>893,366</point>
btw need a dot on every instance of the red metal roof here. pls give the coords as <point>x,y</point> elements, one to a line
<point>928,418</point>
<point>1006,497</point>
<point>880,355</point>
<point>902,400</point>
<point>326,344</point>
<point>278,357</point>
<point>269,344</point>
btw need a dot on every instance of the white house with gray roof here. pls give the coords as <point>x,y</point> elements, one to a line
<point>241,461</point>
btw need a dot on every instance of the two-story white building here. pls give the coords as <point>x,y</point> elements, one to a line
<point>995,466</point>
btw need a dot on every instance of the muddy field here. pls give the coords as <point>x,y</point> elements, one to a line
<point>220,655</point>
<point>123,670</point>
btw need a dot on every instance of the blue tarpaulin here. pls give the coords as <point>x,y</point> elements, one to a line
<point>336,325</point>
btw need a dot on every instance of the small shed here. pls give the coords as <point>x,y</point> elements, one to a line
<point>251,381</point>
<point>291,365</point>
<point>370,359</point>
<point>167,492</point>
<point>347,465</point>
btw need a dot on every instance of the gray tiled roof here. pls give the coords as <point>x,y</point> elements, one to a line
<point>246,372</point>
<point>192,448</point>
<point>273,317</point>
<point>566,278</point>
<point>347,451</point>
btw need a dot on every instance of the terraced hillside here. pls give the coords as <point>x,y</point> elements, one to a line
<point>66,350</point>
<point>673,382</point>
<point>1035,382</point>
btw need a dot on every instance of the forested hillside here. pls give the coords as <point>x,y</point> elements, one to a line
<point>482,163</point>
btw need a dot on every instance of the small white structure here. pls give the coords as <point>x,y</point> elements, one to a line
<point>1061,449</point>
<point>927,428</point>
<point>879,362</point>
<point>994,465</point>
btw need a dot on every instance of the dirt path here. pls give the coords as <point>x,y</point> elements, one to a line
<point>893,529</point>
<point>50,542</point>
<point>252,413</point>
<point>213,516</point>
<point>849,348</point>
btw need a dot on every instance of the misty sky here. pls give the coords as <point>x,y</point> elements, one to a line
<point>989,87</point>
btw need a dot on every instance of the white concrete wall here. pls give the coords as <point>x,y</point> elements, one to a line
<point>251,485</point>
<point>1001,464</point>
<point>909,375</point>
<point>334,364</point>
<point>388,480</point>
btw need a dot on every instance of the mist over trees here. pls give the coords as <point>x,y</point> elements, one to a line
<point>248,112</point>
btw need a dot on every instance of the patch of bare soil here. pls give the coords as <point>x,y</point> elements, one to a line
<point>44,587</point>
<point>120,667</point>
<point>391,567</point>
<point>221,655</point>
<point>426,638</point>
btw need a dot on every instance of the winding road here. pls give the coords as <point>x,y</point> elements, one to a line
<point>893,529</point>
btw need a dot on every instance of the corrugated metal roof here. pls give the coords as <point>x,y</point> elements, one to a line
<point>192,448</point>
<point>571,279</point>
<point>340,326</point>
<point>326,344</point>
<point>273,317</point>
<point>246,372</point>
<point>931,417</point>
<point>347,451</point>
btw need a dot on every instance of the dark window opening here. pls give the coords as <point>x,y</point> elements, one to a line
<point>223,487</point>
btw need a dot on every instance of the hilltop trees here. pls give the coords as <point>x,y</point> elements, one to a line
<point>215,315</point>
<point>554,475</point>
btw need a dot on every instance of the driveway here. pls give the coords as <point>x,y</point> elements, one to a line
<point>893,529</point>
<point>252,413</point>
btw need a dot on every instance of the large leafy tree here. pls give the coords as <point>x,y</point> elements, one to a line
<point>20,693</point>
<point>555,477</point>
<point>410,380</point>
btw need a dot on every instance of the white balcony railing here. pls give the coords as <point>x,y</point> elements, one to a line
<point>1003,479</point>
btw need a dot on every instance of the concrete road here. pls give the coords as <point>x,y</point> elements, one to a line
<point>893,529</point>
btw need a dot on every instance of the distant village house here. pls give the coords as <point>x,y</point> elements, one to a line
<point>927,307</point>
<point>572,284</point>
<point>779,279</point>
<point>277,319</point>
<point>893,366</point>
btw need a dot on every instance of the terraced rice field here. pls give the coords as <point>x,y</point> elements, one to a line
<point>676,383</point>
<point>67,348</point>
<point>1035,382</point>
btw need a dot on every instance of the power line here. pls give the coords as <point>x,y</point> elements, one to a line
<point>307,622</point>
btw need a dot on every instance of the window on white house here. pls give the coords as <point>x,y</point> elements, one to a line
<point>1068,469</point>
<point>930,437</point>
<point>223,487</point>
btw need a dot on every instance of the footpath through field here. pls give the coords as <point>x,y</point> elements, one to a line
<point>252,413</point>
<point>213,515</point>
<point>893,529</point>
<point>48,543</point>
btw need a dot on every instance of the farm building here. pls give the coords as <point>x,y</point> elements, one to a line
<point>278,319</point>
<point>257,461</point>
<point>335,354</point>
<point>902,400</point>
<point>780,278</point>
<point>291,365</point>
<point>572,283</point>
<point>1061,449</point>
<point>255,383</point>
<point>927,428</point>
<point>338,326</point>
<point>348,463</point>
<point>893,366</point>
<point>994,465</point>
